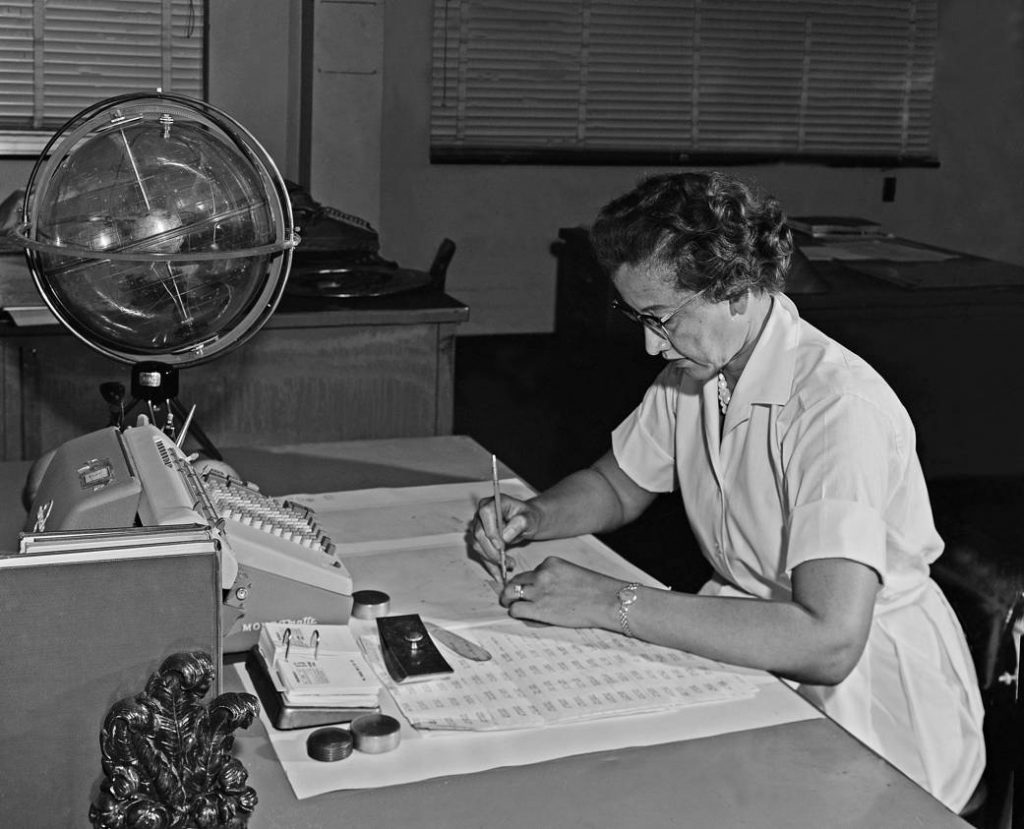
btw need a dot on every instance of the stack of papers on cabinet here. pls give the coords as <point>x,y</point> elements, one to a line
<point>19,298</point>
<point>317,666</point>
<point>818,226</point>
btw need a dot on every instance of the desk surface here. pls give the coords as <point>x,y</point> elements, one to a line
<point>790,775</point>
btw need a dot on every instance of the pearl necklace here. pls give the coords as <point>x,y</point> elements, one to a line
<point>724,394</point>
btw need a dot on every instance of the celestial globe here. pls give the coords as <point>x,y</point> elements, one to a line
<point>158,229</point>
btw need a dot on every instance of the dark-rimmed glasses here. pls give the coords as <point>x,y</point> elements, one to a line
<point>650,321</point>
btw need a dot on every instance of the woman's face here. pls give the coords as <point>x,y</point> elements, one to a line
<point>702,336</point>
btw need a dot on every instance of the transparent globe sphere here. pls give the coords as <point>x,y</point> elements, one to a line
<point>157,228</point>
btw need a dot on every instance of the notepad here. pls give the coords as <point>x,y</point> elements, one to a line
<point>318,665</point>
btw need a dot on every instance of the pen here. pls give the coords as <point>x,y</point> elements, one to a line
<point>498,517</point>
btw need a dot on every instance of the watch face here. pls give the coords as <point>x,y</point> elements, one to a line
<point>627,595</point>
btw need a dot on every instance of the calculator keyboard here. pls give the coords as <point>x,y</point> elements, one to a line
<point>275,536</point>
<point>243,503</point>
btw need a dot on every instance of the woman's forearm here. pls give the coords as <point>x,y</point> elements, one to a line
<point>778,636</point>
<point>817,636</point>
<point>598,499</point>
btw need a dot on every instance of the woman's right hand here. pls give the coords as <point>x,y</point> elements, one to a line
<point>520,520</point>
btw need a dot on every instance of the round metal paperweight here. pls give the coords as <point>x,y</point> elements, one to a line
<point>329,744</point>
<point>369,604</point>
<point>376,733</point>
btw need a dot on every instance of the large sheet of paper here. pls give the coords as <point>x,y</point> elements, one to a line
<point>412,544</point>
<point>423,755</point>
<point>542,675</point>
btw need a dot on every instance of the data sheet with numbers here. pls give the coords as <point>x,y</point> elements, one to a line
<point>544,675</point>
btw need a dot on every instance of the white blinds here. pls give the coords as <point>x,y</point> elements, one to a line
<point>59,56</point>
<point>684,78</point>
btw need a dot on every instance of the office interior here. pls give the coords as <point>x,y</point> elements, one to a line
<point>368,151</point>
<point>343,107</point>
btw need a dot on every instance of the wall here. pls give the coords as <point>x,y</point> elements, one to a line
<point>345,157</point>
<point>14,174</point>
<point>256,75</point>
<point>505,219</point>
<point>253,68</point>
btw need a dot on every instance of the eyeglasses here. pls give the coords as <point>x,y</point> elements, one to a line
<point>650,321</point>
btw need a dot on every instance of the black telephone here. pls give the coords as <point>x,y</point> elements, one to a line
<point>329,236</point>
<point>339,255</point>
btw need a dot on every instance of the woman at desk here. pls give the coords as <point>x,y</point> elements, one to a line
<point>797,467</point>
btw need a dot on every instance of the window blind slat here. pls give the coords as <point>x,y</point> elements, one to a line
<point>793,75</point>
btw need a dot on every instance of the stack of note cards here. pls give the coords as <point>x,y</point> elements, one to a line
<point>318,665</point>
<point>313,674</point>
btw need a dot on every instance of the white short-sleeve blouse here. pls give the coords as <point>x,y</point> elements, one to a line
<point>816,459</point>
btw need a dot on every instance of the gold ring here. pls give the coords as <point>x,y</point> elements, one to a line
<point>518,592</point>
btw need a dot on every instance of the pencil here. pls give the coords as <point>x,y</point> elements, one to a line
<point>500,520</point>
<point>185,425</point>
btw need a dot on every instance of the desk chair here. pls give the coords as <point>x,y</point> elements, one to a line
<point>982,575</point>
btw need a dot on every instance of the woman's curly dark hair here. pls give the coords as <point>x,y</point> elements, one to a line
<point>709,227</point>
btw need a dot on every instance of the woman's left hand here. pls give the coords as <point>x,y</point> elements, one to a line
<point>561,593</point>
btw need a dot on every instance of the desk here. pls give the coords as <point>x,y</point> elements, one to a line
<point>805,774</point>
<point>372,368</point>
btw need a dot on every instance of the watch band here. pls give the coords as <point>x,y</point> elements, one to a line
<point>627,598</point>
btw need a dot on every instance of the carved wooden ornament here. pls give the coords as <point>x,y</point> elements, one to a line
<point>167,758</point>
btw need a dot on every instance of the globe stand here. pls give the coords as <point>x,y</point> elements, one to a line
<point>155,385</point>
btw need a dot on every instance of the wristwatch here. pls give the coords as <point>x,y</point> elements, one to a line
<point>627,598</point>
